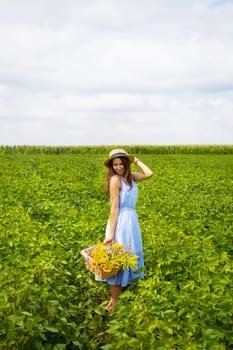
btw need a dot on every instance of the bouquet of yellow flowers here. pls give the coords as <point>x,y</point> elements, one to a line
<point>106,261</point>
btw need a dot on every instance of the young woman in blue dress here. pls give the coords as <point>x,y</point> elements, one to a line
<point>123,226</point>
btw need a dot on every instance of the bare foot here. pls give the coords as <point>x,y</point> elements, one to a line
<point>111,305</point>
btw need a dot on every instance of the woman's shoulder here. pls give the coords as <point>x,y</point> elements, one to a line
<point>115,179</point>
<point>115,183</point>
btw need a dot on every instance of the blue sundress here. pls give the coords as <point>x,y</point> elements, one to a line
<point>128,233</point>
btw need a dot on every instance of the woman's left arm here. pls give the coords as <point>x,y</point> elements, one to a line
<point>114,192</point>
<point>145,172</point>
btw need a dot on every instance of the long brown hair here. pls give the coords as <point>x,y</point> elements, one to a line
<point>127,173</point>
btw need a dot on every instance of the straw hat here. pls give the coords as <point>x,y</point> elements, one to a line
<point>117,153</point>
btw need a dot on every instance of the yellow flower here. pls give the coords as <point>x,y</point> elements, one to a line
<point>94,264</point>
<point>115,266</point>
<point>111,257</point>
<point>117,246</point>
<point>106,268</point>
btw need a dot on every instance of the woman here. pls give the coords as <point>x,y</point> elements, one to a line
<point>123,226</point>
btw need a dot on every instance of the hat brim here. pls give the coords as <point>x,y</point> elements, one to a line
<point>129,156</point>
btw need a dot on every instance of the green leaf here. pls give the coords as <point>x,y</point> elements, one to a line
<point>51,329</point>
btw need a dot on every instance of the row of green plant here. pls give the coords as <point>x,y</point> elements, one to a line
<point>53,206</point>
<point>143,149</point>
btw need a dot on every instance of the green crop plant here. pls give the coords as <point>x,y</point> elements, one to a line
<point>53,205</point>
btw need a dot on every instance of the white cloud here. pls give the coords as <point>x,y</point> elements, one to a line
<point>99,71</point>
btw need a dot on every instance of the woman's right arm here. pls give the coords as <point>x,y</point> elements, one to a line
<point>145,171</point>
<point>114,193</point>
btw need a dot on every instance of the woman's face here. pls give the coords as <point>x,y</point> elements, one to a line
<point>118,166</point>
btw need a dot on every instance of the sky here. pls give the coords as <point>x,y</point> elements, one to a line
<point>116,72</point>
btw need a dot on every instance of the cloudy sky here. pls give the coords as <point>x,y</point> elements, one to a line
<point>112,72</point>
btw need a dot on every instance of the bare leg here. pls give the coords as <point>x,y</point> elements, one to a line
<point>115,291</point>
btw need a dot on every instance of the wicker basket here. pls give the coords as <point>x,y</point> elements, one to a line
<point>97,272</point>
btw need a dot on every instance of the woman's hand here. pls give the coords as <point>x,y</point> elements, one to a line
<point>145,172</point>
<point>108,240</point>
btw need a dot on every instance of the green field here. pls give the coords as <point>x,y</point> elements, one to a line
<point>52,205</point>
